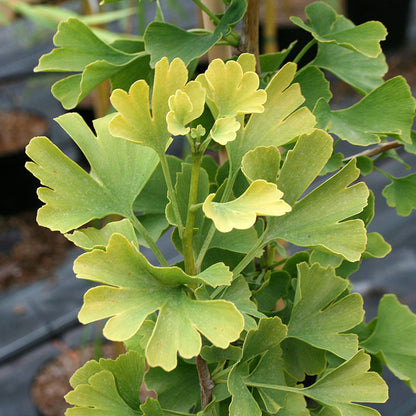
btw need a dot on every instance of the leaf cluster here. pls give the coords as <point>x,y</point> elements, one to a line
<point>239,327</point>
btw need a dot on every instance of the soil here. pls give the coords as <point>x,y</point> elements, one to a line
<point>52,382</point>
<point>17,127</point>
<point>28,252</point>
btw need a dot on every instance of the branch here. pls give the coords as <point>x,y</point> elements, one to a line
<point>380,148</point>
<point>205,381</point>
<point>250,37</point>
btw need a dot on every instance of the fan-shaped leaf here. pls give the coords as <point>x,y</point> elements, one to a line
<point>261,198</point>
<point>321,320</point>
<point>393,339</point>
<point>133,289</point>
<point>362,125</point>
<point>281,122</point>
<point>72,196</point>
<point>350,382</point>
<point>164,39</point>
<point>134,121</point>
<point>80,50</point>
<point>401,194</point>
<point>107,387</point>
<point>327,26</point>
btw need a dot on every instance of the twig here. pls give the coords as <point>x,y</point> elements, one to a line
<point>205,381</point>
<point>380,148</point>
<point>250,38</point>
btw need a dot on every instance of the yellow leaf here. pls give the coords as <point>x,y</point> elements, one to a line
<point>261,198</point>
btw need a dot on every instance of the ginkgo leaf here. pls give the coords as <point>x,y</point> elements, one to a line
<point>73,197</point>
<point>361,124</point>
<point>327,26</point>
<point>133,289</point>
<point>109,387</point>
<point>80,50</point>
<point>166,385</point>
<point>262,163</point>
<point>261,198</point>
<point>320,219</point>
<point>90,237</point>
<point>164,39</point>
<point>318,317</point>
<point>304,163</point>
<point>266,338</point>
<point>225,130</point>
<point>239,294</point>
<point>348,383</point>
<point>185,106</point>
<point>281,122</point>
<point>134,121</point>
<point>301,358</point>
<point>361,72</point>
<point>400,193</point>
<point>230,90</point>
<point>393,339</point>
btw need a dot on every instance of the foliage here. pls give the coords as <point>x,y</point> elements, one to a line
<point>239,327</point>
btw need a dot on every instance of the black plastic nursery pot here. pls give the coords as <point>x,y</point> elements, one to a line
<point>17,185</point>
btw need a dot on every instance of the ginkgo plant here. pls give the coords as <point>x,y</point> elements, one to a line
<point>239,326</point>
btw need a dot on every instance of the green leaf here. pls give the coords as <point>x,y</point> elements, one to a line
<point>261,198</point>
<point>313,85</point>
<point>365,164</point>
<point>401,194</point>
<point>164,39</point>
<point>361,72</point>
<point>393,339</point>
<point>361,123</point>
<point>281,122</point>
<point>295,406</point>
<point>240,295</point>
<point>170,387</point>
<point>153,197</point>
<point>152,408</point>
<point>243,403</point>
<point>133,288</point>
<point>273,289</point>
<point>301,358</point>
<point>303,164</point>
<point>376,247</point>
<point>90,237</point>
<point>213,354</point>
<point>80,50</point>
<point>318,317</point>
<point>109,387</point>
<point>262,163</point>
<point>350,382</point>
<point>327,26</point>
<point>271,62</point>
<point>73,197</point>
<point>264,339</point>
<point>319,219</point>
<point>269,334</point>
<point>134,120</point>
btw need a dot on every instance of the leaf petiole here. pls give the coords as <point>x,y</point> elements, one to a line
<point>149,240</point>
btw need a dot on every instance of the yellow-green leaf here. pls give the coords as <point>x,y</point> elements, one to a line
<point>135,121</point>
<point>132,289</point>
<point>261,198</point>
<point>185,106</point>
